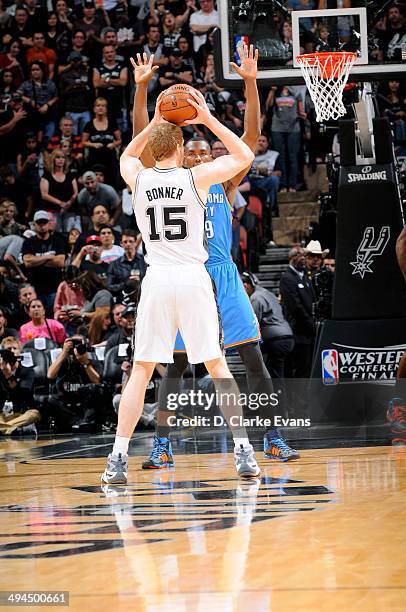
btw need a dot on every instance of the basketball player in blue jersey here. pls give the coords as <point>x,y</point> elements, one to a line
<point>240,325</point>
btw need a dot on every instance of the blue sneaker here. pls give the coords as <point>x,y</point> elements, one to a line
<point>161,455</point>
<point>277,449</point>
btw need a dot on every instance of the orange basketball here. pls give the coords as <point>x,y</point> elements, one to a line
<point>174,106</point>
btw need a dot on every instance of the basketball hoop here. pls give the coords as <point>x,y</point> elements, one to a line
<point>326,75</point>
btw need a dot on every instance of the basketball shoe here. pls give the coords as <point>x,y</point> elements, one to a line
<point>396,415</point>
<point>245,462</point>
<point>116,469</point>
<point>161,455</point>
<point>276,447</point>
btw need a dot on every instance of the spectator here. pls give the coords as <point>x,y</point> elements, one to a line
<point>74,166</point>
<point>66,134</point>
<point>5,331</point>
<point>171,31</point>
<point>89,257</point>
<point>95,193</point>
<point>102,137</point>
<point>202,21</point>
<point>8,225</point>
<point>14,189</point>
<point>130,266</point>
<point>298,297</point>
<point>80,46</point>
<point>26,293</point>
<point>155,47</point>
<point>8,294</point>
<point>91,24</point>
<point>69,300</point>
<point>100,216</point>
<point>127,219</point>
<point>110,251</point>
<point>276,333</point>
<point>116,314</point>
<point>287,112</point>
<point>100,327</point>
<point>72,239</point>
<point>95,292</point>
<point>77,382</point>
<point>109,80</point>
<point>395,35</point>
<point>125,330</point>
<point>19,29</point>
<point>40,53</point>
<point>31,166</point>
<point>7,88</point>
<point>19,413</point>
<point>41,327</point>
<point>61,9</point>
<point>392,102</point>
<point>10,60</point>
<point>40,95</point>
<point>176,71</point>
<point>59,192</point>
<point>75,90</point>
<point>265,172</point>
<point>187,53</point>
<point>13,127</point>
<point>44,258</point>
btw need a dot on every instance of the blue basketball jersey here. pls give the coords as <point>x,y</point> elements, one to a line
<point>218,226</point>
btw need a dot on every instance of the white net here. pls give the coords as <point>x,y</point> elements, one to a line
<point>326,75</point>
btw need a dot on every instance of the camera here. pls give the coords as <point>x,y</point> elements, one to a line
<point>79,345</point>
<point>9,357</point>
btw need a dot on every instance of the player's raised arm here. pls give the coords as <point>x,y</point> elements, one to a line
<point>252,117</point>
<point>144,70</point>
<point>130,164</point>
<point>225,167</point>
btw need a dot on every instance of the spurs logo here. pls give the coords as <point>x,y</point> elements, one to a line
<point>369,248</point>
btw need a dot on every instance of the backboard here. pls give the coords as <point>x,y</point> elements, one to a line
<point>373,29</point>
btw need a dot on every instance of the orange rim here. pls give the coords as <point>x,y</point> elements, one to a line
<point>331,62</point>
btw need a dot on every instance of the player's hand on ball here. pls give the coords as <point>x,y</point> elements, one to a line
<point>157,119</point>
<point>249,62</point>
<point>204,116</point>
<point>143,68</point>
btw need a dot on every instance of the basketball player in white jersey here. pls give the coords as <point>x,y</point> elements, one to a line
<point>177,292</point>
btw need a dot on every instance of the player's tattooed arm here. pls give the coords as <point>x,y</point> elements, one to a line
<point>143,72</point>
<point>252,118</point>
<point>401,251</point>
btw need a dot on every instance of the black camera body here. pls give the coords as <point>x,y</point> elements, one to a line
<point>80,345</point>
<point>9,357</point>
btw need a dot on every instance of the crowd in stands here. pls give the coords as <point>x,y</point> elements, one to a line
<point>71,257</point>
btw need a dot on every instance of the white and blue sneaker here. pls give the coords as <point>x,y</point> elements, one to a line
<point>245,462</point>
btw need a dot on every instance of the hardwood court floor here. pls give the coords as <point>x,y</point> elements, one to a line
<point>322,533</point>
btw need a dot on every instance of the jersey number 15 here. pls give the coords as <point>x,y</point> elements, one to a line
<point>174,228</point>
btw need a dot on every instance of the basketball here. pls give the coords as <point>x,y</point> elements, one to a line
<point>175,107</point>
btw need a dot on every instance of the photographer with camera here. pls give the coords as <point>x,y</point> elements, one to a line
<point>77,382</point>
<point>18,411</point>
<point>322,278</point>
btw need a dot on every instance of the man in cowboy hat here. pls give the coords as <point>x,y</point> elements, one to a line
<point>315,256</point>
<point>322,278</point>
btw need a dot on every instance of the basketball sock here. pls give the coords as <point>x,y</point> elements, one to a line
<point>238,442</point>
<point>121,445</point>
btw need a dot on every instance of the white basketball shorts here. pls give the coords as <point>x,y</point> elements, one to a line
<point>173,298</point>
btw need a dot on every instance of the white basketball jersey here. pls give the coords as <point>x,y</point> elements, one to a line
<point>170,216</point>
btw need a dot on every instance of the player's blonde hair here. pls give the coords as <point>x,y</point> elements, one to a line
<point>164,139</point>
